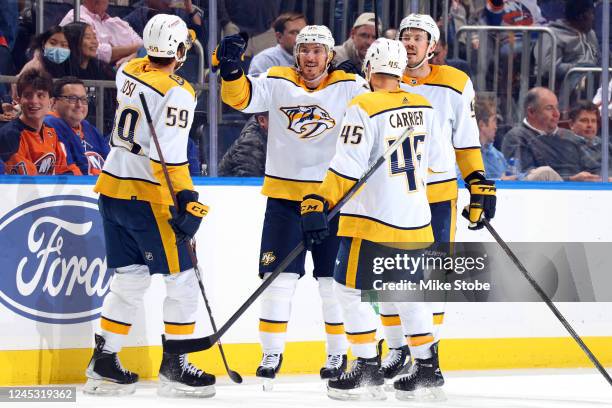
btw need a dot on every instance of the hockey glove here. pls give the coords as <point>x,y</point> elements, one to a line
<point>314,219</point>
<point>188,217</point>
<point>482,200</point>
<point>228,56</point>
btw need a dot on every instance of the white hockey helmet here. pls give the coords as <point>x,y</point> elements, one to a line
<point>385,57</point>
<point>313,34</point>
<point>164,34</point>
<point>423,22</point>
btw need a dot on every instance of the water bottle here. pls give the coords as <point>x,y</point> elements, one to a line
<point>514,167</point>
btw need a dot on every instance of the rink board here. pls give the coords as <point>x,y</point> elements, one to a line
<point>54,280</point>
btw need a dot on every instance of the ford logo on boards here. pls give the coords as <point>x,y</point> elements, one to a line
<point>53,260</point>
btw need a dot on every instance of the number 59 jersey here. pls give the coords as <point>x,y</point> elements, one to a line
<point>132,170</point>
<point>392,206</point>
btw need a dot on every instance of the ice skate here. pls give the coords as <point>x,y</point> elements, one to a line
<point>423,382</point>
<point>105,375</point>
<point>363,381</point>
<point>179,378</point>
<point>396,362</point>
<point>334,366</point>
<point>269,366</point>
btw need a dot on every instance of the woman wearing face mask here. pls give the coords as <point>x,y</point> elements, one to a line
<point>83,48</point>
<point>50,53</point>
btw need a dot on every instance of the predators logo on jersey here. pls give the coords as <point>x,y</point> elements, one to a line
<point>268,258</point>
<point>308,121</point>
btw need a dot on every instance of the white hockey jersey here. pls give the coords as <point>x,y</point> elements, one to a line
<point>451,93</point>
<point>132,169</point>
<point>303,124</point>
<point>393,205</point>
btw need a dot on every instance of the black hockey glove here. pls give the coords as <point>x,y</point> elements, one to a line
<point>314,219</point>
<point>186,221</point>
<point>482,200</point>
<point>228,56</point>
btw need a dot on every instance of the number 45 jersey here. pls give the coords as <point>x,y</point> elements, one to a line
<point>392,206</point>
<point>133,170</point>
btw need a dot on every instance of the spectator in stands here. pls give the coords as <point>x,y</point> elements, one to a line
<point>350,54</point>
<point>390,33</point>
<point>441,52</point>
<point>117,40</point>
<point>286,27</point>
<point>50,53</point>
<point>576,41</point>
<point>584,122</point>
<point>144,10</point>
<point>496,165</point>
<point>255,18</point>
<point>27,146</point>
<point>538,141</point>
<point>246,157</point>
<point>84,44</point>
<point>598,98</point>
<point>84,144</point>
<point>9,15</point>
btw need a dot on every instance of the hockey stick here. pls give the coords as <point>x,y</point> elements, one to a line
<point>546,299</point>
<point>234,376</point>
<point>203,343</point>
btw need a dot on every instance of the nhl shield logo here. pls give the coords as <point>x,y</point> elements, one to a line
<point>267,258</point>
<point>308,121</point>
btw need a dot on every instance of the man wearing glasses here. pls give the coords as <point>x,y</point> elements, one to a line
<point>84,144</point>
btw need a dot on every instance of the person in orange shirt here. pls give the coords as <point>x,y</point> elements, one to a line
<point>27,146</point>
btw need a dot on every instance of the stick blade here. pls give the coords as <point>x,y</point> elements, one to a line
<point>187,345</point>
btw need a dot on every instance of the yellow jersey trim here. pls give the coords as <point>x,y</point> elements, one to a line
<point>375,103</point>
<point>334,186</point>
<point>114,326</point>
<point>237,93</point>
<point>390,320</point>
<point>288,189</point>
<point>140,69</point>
<point>269,326</point>
<point>444,190</point>
<point>179,328</point>
<point>441,75</point>
<point>290,74</point>
<point>131,189</point>
<point>361,226</point>
<point>469,160</point>
<point>362,338</point>
<point>334,328</point>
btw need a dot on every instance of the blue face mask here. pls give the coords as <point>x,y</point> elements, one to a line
<point>57,54</point>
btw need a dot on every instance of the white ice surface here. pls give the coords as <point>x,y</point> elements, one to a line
<point>541,388</point>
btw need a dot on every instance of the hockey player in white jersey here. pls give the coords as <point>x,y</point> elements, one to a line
<point>144,233</point>
<point>451,93</point>
<point>305,104</point>
<point>371,124</point>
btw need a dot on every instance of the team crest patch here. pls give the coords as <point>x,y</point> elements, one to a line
<point>46,164</point>
<point>308,121</point>
<point>267,258</point>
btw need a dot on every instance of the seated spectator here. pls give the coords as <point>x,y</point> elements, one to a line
<point>246,157</point>
<point>350,54</point>
<point>144,10</point>
<point>84,144</point>
<point>286,27</point>
<point>118,41</point>
<point>584,122</point>
<point>441,52</point>
<point>9,16</point>
<point>496,165</point>
<point>576,41</point>
<point>538,141</point>
<point>50,53</point>
<point>598,99</point>
<point>27,146</point>
<point>84,63</point>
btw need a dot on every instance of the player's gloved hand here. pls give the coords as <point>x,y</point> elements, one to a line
<point>482,200</point>
<point>188,217</point>
<point>228,55</point>
<point>314,219</point>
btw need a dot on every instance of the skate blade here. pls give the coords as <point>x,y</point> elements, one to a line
<point>171,389</point>
<point>107,388</point>
<point>267,384</point>
<point>432,394</point>
<point>369,393</point>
